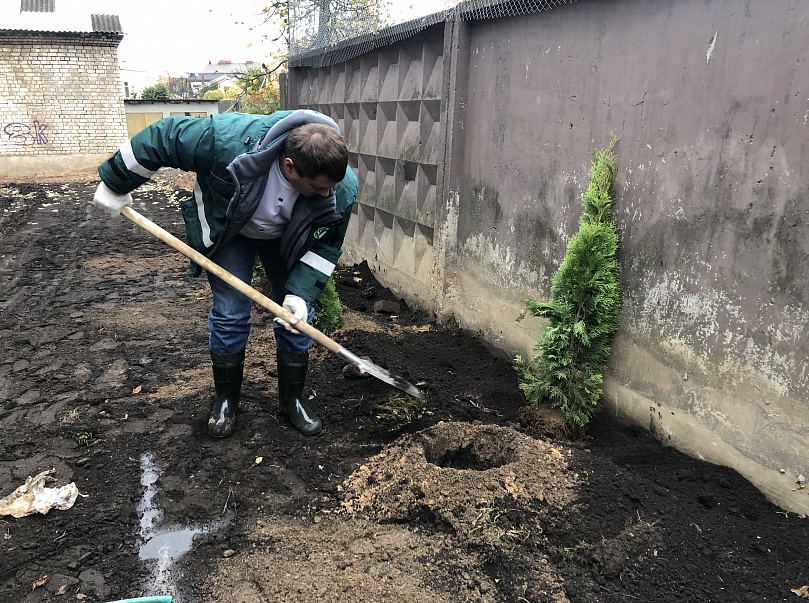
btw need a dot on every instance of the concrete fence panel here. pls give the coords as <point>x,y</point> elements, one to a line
<point>473,139</point>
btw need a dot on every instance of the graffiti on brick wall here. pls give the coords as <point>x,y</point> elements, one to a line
<point>25,134</point>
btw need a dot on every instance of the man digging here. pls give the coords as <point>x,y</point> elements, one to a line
<point>276,187</point>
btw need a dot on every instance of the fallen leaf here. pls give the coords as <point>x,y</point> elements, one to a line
<point>137,389</point>
<point>802,592</point>
<point>81,596</point>
<point>42,581</point>
<point>62,590</point>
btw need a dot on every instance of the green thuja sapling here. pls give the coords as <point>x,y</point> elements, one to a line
<point>584,309</point>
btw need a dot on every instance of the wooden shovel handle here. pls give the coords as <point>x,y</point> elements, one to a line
<point>226,276</point>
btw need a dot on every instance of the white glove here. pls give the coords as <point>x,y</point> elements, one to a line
<point>297,307</point>
<point>110,202</point>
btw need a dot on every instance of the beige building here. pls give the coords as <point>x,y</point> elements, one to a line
<point>142,113</point>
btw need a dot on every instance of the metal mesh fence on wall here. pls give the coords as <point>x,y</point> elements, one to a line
<point>326,32</point>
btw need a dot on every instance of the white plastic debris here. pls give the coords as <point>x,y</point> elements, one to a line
<point>801,480</point>
<point>33,497</point>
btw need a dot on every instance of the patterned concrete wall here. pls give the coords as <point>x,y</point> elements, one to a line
<point>388,106</point>
<point>708,101</point>
<point>60,98</point>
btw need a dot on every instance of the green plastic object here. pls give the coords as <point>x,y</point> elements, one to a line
<point>161,599</point>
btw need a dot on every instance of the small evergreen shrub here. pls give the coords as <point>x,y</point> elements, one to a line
<point>584,309</point>
<point>328,309</point>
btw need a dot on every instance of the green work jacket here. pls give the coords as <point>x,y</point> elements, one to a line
<point>231,155</point>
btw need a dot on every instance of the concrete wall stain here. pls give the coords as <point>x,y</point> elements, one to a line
<point>482,211</point>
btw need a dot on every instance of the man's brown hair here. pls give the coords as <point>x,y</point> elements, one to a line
<point>317,149</point>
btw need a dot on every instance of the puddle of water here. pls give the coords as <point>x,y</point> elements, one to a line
<point>164,545</point>
<point>149,514</point>
<point>170,544</point>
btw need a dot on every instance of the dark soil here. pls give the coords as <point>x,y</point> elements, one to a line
<point>465,497</point>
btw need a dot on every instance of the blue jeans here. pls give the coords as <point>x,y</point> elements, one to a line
<point>229,318</point>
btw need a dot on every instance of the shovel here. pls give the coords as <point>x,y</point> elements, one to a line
<point>264,301</point>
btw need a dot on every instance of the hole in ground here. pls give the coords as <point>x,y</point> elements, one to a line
<point>477,456</point>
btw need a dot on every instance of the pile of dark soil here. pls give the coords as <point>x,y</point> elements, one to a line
<point>462,497</point>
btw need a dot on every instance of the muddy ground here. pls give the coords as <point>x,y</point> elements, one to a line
<point>105,380</point>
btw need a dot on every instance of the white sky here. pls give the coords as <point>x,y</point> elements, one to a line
<point>178,36</point>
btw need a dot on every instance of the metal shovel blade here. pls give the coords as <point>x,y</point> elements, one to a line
<point>381,374</point>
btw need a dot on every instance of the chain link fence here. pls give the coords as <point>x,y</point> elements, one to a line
<point>326,32</point>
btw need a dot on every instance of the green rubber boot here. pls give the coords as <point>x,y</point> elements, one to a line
<point>228,372</point>
<point>292,368</point>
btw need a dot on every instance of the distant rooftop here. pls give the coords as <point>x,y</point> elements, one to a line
<point>45,15</point>
<point>38,6</point>
<point>227,67</point>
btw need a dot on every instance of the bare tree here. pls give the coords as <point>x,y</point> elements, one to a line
<point>307,24</point>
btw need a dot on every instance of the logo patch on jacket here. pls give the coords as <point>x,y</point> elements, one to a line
<point>320,232</point>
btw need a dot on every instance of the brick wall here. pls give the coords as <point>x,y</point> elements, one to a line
<point>60,94</point>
